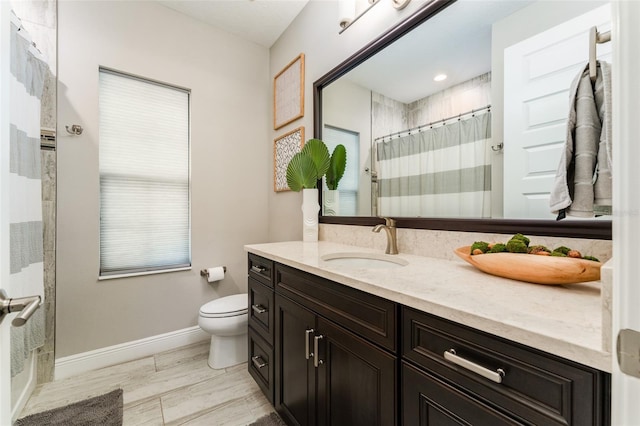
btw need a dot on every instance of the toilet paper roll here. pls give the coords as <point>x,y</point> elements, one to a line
<point>215,274</point>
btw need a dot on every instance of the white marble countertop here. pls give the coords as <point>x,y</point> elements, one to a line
<point>563,320</point>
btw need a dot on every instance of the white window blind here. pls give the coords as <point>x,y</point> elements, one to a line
<point>144,175</point>
<point>348,185</point>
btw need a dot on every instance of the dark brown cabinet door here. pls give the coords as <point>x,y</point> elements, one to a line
<point>428,401</point>
<point>356,379</point>
<point>295,373</point>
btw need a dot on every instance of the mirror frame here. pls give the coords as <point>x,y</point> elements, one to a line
<point>593,229</point>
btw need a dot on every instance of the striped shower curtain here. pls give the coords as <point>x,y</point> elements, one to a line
<point>443,171</point>
<point>28,72</point>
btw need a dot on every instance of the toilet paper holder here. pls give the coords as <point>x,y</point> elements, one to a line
<point>205,273</point>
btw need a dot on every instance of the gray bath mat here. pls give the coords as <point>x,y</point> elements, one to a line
<point>272,419</point>
<point>103,410</point>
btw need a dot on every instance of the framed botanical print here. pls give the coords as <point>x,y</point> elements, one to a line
<point>288,93</point>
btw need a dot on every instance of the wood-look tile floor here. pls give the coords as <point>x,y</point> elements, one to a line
<point>176,387</point>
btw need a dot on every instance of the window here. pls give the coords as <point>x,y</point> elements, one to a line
<point>144,176</point>
<point>348,185</point>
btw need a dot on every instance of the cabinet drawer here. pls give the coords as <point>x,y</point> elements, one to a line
<point>261,363</point>
<point>261,269</point>
<point>428,401</point>
<point>537,388</point>
<point>369,316</point>
<point>261,313</point>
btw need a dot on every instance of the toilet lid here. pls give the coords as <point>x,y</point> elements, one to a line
<point>227,306</point>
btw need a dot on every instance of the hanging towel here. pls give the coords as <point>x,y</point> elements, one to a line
<point>583,179</point>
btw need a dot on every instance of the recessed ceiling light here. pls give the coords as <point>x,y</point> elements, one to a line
<point>440,77</point>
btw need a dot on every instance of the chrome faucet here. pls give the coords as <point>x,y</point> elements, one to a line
<point>390,228</point>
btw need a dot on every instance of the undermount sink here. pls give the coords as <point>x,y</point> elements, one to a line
<point>364,260</point>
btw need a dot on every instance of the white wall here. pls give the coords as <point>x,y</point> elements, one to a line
<point>314,32</point>
<point>230,152</point>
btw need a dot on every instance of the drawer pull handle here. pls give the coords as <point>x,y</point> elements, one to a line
<point>258,309</point>
<point>316,360</point>
<point>307,334</point>
<point>258,361</point>
<point>258,269</point>
<point>495,376</point>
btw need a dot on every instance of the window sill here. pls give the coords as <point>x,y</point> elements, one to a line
<point>138,274</point>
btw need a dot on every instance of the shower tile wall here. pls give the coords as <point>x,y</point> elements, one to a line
<point>458,99</point>
<point>46,353</point>
<point>391,116</point>
<point>388,115</point>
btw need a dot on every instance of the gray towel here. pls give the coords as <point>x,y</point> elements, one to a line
<point>583,178</point>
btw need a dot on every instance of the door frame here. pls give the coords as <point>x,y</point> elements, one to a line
<point>626,202</point>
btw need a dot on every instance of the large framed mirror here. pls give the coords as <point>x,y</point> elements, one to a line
<point>478,150</point>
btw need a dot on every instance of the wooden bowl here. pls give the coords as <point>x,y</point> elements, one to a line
<point>533,268</point>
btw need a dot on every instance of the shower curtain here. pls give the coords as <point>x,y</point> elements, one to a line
<point>28,72</point>
<point>443,171</point>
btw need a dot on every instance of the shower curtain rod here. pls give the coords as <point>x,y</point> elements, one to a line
<point>24,34</point>
<point>443,121</point>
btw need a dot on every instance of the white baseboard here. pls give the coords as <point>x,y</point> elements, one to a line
<point>111,355</point>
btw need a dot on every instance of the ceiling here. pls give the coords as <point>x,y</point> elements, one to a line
<point>457,42</point>
<point>260,21</point>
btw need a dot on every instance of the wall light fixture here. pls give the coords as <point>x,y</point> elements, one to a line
<point>400,4</point>
<point>349,11</point>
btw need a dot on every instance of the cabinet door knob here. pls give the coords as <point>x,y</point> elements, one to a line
<point>258,361</point>
<point>495,376</point>
<point>307,334</point>
<point>258,309</point>
<point>316,360</point>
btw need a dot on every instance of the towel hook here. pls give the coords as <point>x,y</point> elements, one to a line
<point>498,147</point>
<point>594,38</point>
<point>75,129</point>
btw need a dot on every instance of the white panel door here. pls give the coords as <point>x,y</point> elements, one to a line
<point>5,342</point>
<point>537,76</point>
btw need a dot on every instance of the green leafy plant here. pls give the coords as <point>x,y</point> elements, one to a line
<point>337,165</point>
<point>308,166</point>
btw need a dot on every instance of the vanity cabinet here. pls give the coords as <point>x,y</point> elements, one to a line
<point>481,379</point>
<point>325,373</point>
<point>261,314</point>
<point>328,354</point>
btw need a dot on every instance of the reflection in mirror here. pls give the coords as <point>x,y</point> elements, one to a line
<point>484,139</point>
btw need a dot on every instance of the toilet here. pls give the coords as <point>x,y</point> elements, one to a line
<point>226,320</point>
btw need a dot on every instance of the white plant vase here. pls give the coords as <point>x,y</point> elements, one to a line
<point>331,202</point>
<point>310,209</point>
